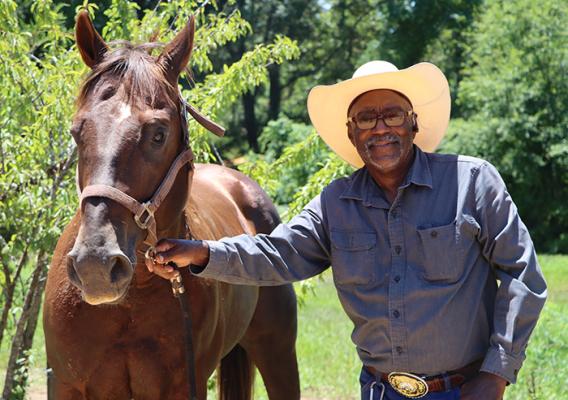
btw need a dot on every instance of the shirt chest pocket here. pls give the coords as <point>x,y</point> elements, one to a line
<point>442,253</point>
<point>353,257</point>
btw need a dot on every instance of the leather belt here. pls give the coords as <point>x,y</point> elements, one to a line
<point>434,383</point>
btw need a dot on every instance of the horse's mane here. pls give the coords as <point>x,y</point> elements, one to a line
<point>133,64</point>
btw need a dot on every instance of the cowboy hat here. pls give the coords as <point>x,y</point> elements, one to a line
<point>423,84</point>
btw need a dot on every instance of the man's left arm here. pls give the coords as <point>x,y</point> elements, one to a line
<point>507,245</point>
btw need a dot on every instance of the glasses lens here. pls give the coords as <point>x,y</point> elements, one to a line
<point>396,119</point>
<point>366,121</point>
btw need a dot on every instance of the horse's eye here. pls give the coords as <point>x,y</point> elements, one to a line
<point>159,136</point>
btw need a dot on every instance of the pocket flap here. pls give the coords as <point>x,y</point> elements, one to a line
<point>353,241</point>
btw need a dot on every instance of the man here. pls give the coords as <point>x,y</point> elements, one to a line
<point>417,242</point>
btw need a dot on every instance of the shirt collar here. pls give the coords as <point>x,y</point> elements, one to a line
<point>419,173</point>
<point>362,187</point>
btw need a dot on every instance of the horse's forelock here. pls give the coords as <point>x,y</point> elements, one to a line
<point>143,76</point>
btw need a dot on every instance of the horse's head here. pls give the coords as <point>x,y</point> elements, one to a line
<point>128,131</point>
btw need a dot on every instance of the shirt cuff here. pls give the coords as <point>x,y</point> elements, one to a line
<point>217,261</point>
<point>499,363</point>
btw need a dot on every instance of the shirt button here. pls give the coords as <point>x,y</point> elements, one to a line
<point>397,278</point>
<point>396,313</point>
<point>399,349</point>
<point>397,249</point>
<point>394,214</point>
<point>434,234</point>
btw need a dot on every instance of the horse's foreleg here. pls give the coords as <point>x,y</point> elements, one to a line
<point>271,339</point>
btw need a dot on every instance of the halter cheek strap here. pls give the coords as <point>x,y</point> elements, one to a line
<point>143,212</point>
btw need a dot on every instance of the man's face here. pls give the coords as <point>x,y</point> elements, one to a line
<point>383,148</point>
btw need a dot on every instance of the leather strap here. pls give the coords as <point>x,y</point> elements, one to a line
<point>437,383</point>
<point>204,121</point>
<point>143,212</point>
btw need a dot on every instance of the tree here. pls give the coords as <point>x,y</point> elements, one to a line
<point>513,96</point>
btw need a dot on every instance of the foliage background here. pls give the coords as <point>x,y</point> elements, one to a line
<point>252,68</point>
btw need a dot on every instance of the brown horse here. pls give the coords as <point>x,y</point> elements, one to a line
<point>113,330</point>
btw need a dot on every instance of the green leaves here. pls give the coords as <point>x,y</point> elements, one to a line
<point>218,92</point>
<point>40,71</point>
<point>513,98</point>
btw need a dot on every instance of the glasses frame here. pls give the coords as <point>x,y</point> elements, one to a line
<point>381,116</point>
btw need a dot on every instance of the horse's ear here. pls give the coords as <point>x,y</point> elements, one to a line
<point>176,54</point>
<point>91,45</point>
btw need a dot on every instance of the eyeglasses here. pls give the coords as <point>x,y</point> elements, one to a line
<point>369,120</point>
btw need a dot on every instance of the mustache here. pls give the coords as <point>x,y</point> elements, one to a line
<point>375,140</point>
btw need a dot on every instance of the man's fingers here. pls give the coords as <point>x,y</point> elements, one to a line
<point>171,254</point>
<point>164,245</point>
<point>163,271</point>
<point>165,257</point>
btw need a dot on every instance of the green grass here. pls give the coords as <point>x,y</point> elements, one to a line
<point>545,372</point>
<point>329,367</point>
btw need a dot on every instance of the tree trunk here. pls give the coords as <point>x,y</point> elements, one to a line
<point>275,91</point>
<point>17,370</point>
<point>251,124</point>
<point>9,290</point>
<point>8,299</point>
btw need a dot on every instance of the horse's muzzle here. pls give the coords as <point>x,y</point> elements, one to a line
<point>102,278</point>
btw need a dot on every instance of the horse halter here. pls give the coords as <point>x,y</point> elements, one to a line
<point>144,212</point>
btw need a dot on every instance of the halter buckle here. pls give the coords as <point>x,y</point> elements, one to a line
<point>149,216</point>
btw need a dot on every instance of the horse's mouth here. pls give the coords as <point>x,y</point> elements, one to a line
<point>104,299</point>
<point>102,277</point>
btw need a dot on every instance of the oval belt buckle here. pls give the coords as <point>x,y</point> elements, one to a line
<point>408,385</point>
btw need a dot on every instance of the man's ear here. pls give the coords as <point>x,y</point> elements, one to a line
<point>176,54</point>
<point>91,45</point>
<point>414,123</point>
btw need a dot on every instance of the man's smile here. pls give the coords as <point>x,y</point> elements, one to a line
<point>382,143</point>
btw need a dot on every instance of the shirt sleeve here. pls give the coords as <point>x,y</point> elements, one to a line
<point>507,245</point>
<point>292,252</point>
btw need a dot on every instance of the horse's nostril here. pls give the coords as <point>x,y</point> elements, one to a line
<point>72,271</point>
<point>121,269</point>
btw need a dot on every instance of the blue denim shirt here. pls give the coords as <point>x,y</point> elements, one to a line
<point>418,277</point>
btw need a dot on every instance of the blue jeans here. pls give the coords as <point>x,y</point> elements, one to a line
<point>379,388</point>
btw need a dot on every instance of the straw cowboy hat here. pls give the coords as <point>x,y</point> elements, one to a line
<point>423,84</point>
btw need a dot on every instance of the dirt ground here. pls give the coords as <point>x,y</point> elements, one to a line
<point>36,394</point>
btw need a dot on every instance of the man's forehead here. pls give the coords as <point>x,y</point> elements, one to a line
<point>380,98</point>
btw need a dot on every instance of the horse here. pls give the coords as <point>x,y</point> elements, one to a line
<point>113,330</point>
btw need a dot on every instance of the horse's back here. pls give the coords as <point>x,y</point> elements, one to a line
<point>225,202</point>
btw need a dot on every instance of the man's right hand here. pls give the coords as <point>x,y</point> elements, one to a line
<point>177,251</point>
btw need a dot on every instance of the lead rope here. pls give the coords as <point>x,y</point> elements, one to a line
<point>178,290</point>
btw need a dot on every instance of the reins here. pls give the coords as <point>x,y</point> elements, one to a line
<point>144,215</point>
